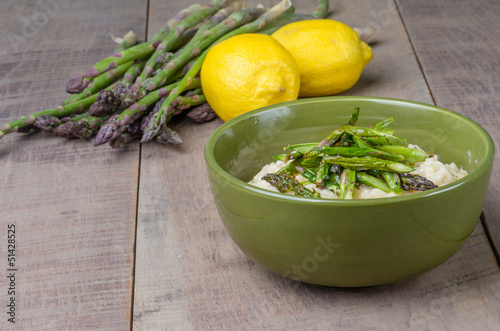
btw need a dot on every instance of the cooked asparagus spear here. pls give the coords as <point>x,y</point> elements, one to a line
<point>368,162</point>
<point>347,184</point>
<point>367,132</point>
<point>392,179</point>
<point>307,174</point>
<point>364,178</point>
<point>285,183</point>
<point>360,152</point>
<point>412,182</point>
<point>346,135</point>
<point>411,155</point>
<point>322,172</point>
<point>302,148</point>
<point>383,124</point>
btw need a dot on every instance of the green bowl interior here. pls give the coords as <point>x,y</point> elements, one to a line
<point>243,145</point>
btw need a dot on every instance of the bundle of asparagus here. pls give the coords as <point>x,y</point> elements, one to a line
<point>349,156</point>
<point>137,90</point>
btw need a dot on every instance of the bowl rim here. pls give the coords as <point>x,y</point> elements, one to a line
<point>254,190</point>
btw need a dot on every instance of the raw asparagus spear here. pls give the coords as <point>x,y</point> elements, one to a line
<point>201,32</point>
<point>171,70</point>
<point>165,29</point>
<point>79,85</point>
<point>191,50</point>
<point>188,22</point>
<point>201,114</point>
<point>135,70</point>
<point>60,111</point>
<point>254,26</point>
<point>133,53</point>
<point>110,130</point>
<point>122,96</point>
<point>322,10</point>
<point>100,82</point>
<point>124,139</point>
<point>49,123</point>
<point>168,136</point>
<point>87,126</point>
<point>284,20</point>
<point>112,62</point>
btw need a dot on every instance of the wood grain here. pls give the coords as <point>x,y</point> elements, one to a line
<point>190,275</point>
<point>73,205</point>
<point>461,64</point>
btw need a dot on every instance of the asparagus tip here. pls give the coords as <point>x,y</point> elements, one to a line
<point>77,84</point>
<point>148,135</point>
<point>168,136</point>
<point>203,113</point>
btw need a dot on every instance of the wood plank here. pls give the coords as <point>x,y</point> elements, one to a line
<point>461,64</point>
<point>73,204</point>
<point>190,275</point>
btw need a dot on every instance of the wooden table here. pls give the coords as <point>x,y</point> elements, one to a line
<point>115,239</point>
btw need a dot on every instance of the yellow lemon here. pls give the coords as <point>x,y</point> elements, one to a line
<point>246,72</point>
<point>330,55</point>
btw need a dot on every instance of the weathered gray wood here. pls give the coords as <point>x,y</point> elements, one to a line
<point>190,275</point>
<point>73,204</point>
<point>460,62</point>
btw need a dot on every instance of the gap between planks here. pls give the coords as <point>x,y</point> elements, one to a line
<point>134,248</point>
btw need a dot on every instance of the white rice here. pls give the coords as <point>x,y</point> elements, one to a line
<point>432,169</point>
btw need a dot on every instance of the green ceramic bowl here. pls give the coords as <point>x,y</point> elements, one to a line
<point>353,243</point>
